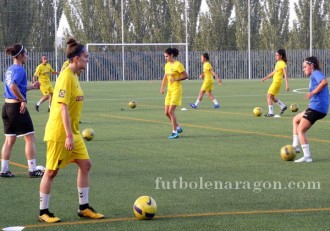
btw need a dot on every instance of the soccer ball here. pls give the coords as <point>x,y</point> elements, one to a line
<point>88,134</point>
<point>294,107</point>
<point>145,208</point>
<point>288,153</point>
<point>132,104</point>
<point>257,111</point>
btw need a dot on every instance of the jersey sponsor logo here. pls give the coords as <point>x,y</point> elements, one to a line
<point>8,77</point>
<point>80,98</point>
<point>61,94</point>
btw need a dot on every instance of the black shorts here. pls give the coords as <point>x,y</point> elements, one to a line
<point>15,123</point>
<point>312,115</point>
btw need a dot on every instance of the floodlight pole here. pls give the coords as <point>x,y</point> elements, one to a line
<point>122,39</point>
<point>311,27</point>
<point>249,37</point>
<point>186,19</point>
<point>55,13</point>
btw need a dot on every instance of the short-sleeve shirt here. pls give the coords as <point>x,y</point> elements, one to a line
<point>15,74</point>
<point>279,71</point>
<point>43,72</point>
<point>68,91</point>
<point>320,101</point>
<point>208,76</point>
<point>174,70</point>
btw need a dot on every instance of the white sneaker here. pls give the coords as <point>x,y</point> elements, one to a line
<point>304,160</point>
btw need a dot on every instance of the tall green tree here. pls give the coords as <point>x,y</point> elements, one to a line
<point>241,23</point>
<point>31,23</point>
<point>275,24</point>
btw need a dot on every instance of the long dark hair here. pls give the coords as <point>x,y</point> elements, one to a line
<point>74,48</point>
<point>282,53</point>
<point>15,50</point>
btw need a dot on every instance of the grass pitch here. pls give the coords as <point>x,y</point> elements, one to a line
<point>223,173</point>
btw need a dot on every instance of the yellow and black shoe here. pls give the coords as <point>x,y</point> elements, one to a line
<point>90,213</point>
<point>49,218</point>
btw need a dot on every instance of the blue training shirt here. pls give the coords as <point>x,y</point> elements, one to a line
<point>320,101</point>
<point>15,74</point>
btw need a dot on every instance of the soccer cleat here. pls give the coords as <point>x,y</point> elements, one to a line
<point>6,174</point>
<point>49,218</point>
<point>36,174</point>
<point>283,110</point>
<point>216,106</point>
<point>193,105</point>
<point>304,160</point>
<point>173,136</point>
<point>269,115</point>
<point>48,109</point>
<point>180,130</point>
<point>36,107</point>
<point>90,213</point>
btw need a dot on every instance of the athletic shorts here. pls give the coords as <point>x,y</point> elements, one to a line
<point>173,97</point>
<point>46,88</point>
<point>313,116</point>
<point>59,157</point>
<point>207,86</point>
<point>15,123</point>
<point>274,88</point>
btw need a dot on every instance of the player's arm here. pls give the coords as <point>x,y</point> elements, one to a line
<point>66,123</point>
<point>286,79</point>
<point>216,76</point>
<point>183,76</point>
<point>55,73</point>
<point>270,75</point>
<point>201,76</point>
<point>162,87</point>
<point>319,87</point>
<point>33,86</point>
<point>14,88</point>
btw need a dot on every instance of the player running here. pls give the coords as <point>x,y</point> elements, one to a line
<point>64,141</point>
<point>174,74</point>
<point>318,107</point>
<point>42,73</point>
<point>275,87</point>
<point>207,86</point>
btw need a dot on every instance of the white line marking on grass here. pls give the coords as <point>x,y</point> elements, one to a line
<point>300,90</point>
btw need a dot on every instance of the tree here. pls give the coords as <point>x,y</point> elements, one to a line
<point>275,24</point>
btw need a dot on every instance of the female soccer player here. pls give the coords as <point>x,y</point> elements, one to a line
<point>207,86</point>
<point>318,96</point>
<point>174,74</point>
<point>15,116</point>
<point>64,142</point>
<point>277,74</point>
<point>43,72</point>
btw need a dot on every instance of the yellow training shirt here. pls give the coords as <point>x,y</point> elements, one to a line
<point>65,64</point>
<point>68,91</point>
<point>174,70</point>
<point>208,76</point>
<point>279,71</point>
<point>43,72</point>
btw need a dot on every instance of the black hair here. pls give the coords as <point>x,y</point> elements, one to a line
<point>282,53</point>
<point>15,50</point>
<point>74,48</point>
<point>172,51</point>
<point>206,56</point>
<point>313,60</point>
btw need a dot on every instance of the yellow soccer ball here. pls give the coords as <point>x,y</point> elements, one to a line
<point>145,208</point>
<point>88,134</point>
<point>288,153</point>
<point>257,111</point>
<point>132,104</point>
<point>294,107</point>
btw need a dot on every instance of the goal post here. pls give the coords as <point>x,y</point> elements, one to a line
<point>124,58</point>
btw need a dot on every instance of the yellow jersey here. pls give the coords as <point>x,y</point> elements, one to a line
<point>173,70</point>
<point>279,71</point>
<point>208,76</point>
<point>43,72</point>
<point>68,91</point>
